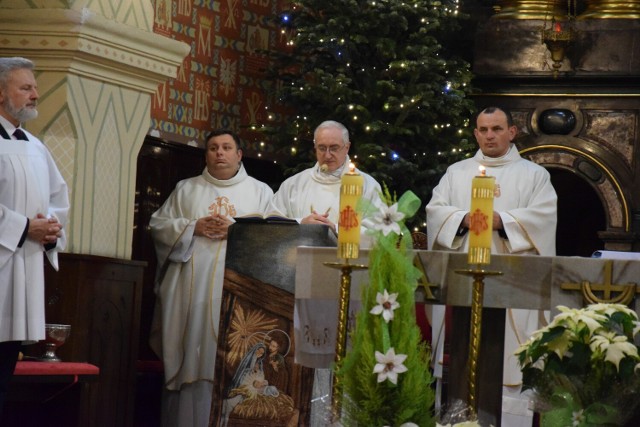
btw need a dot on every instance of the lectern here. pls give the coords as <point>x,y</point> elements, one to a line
<point>257,380</point>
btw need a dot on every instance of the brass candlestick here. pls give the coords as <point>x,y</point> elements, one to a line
<point>343,319</point>
<point>477,297</point>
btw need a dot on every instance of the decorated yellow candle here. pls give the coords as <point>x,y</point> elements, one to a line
<point>349,220</point>
<point>481,218</point>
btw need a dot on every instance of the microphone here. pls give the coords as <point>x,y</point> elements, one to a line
<point>324,168</point>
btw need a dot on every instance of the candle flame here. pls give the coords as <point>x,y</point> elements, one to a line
<point>483,170</point>
<point>352,167</point>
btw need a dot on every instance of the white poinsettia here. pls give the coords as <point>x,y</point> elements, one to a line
<point>574,347</point>
<point>573,318</point>
<point>386,304</point>
<point>609,309</point>
<point>389,365</point>
<point>387,218</point>
<point>615,347</point>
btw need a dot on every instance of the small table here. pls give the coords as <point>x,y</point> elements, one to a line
<point>49,393</point>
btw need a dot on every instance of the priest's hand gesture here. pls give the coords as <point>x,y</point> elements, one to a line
<point>44,230</point>
<point>214,227</point>
<point>317,218</point>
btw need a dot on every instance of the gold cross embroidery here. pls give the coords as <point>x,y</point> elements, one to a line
<point>609,290</point>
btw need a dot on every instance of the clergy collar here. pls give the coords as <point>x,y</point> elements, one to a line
<point>511,156</point>
<point>330,177</point>
<point>6,128</point>
<point>238,177</point>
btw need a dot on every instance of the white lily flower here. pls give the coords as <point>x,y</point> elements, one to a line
<point>386,219</point>
<point>577,418</point>
<point>386,304</point>
<point>389,365</point>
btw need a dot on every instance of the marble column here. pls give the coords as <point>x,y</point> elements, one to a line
<point>98,65</point>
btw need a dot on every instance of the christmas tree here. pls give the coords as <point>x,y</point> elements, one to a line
<point>380,68</point>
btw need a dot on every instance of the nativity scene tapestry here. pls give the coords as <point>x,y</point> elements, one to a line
<point>257,382</point>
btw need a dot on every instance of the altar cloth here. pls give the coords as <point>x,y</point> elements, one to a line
<point>526,282</point>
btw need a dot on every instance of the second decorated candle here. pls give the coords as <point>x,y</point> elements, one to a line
<point>481,218</point>
<point>351,188</point>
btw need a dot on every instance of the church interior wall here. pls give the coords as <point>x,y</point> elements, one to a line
<point>221,81</point>
<point>585,117</point>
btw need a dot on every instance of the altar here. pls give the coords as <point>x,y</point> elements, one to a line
<point>525,282</point>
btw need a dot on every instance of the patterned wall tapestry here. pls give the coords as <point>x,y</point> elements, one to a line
<point>221,82</point>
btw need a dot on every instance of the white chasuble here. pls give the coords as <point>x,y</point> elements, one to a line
<point>191,271</point>
<point>30,184</point>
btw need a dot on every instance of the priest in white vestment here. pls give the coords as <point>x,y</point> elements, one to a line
<point>313,195</point>
<point>189,232</point>
<point>524,222</point>
<point>34,204</point>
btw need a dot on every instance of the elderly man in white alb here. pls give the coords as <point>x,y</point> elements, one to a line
<point>524,222</point>
<point>313,195</point>
<point>190,232</point>
<point>34,205</point>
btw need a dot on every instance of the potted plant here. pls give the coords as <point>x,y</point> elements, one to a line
<point>584,366</point>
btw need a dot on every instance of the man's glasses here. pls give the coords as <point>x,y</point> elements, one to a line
<point>332,149</point>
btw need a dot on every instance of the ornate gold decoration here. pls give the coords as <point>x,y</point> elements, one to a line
<point>343,317</point>
<point>607,9</point>
<point>530,9</point>
<point>624,292</point>
<point>557,41</point>
<point>559,35</point>
<point>477,298</point>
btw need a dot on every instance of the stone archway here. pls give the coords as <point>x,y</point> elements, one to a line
<point>580,215</point>
<point>593,209</point>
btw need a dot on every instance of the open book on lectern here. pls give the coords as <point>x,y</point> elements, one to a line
<point>270,218</point>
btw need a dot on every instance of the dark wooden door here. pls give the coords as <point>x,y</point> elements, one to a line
<point>161,165</point>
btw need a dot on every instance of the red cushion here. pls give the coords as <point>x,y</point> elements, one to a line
<point>55,368</point>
